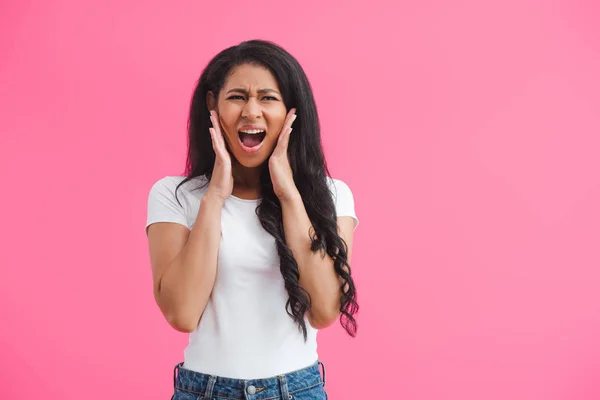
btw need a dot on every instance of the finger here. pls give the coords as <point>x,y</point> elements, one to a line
<point>284,140</point>
<point>287,123</point>
<point>284,137</point>
<point>219,131</point>
<point>213,137</point>
<point>221,140</point>
<point>291,117</point>
<point>214,118</point>
<point>217,146</point>
<point>214,121</point>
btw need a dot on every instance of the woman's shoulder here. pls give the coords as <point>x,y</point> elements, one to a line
<point>343,198</point>
<point>337,185</point>
<point>173,181</point>
<point>172,184</point>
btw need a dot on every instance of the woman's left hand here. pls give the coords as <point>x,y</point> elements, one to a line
<point>279,164</point>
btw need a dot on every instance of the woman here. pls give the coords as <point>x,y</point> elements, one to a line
<point>250,250</point>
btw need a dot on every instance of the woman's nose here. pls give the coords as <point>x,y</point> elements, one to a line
<point>252,109</point>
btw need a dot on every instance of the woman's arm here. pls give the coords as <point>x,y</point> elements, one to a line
<point>184,264</point>
<point>317,275</point>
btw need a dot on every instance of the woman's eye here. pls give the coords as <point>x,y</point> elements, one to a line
<point>235,98</point>
<point>270,98</point>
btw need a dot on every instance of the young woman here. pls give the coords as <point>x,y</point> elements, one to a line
<point>250,251</point>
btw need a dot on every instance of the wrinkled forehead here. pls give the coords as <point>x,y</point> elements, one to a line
<point>251,78</point>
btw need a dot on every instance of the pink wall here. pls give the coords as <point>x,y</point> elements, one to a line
<point>470,135</point>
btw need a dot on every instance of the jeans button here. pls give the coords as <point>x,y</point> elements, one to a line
<point>251,389</point>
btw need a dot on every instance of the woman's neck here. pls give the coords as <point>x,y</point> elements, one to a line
<point>246,181</point>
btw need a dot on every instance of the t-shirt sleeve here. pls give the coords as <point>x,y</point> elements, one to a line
<point>344,200</point>
<point>163,206</point>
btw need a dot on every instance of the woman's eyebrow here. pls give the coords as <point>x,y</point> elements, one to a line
<point>245,92</point>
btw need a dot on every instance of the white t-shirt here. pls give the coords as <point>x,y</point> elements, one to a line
<point>245,331</point>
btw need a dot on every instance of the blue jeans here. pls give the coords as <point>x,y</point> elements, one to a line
<point>304,384</point>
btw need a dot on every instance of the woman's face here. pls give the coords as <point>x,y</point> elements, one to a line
<point>251,112</point>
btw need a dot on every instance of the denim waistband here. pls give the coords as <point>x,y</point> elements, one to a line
<point>278,387</point>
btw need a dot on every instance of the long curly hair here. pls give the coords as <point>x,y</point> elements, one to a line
<point>306,159</point>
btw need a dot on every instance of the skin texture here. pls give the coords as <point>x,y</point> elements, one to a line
<point>250,97</point>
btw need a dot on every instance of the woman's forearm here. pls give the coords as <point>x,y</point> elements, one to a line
<point>317,274</point>
<point>187,283</point>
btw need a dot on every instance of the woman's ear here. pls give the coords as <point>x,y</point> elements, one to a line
<point>211,101</point>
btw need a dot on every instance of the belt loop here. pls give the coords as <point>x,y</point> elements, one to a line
<point>323,367</point>
<point>209,387</point>
<point>175,373</point>
<point>285,394</point>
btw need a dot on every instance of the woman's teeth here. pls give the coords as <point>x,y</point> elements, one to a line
<point>252,131</point>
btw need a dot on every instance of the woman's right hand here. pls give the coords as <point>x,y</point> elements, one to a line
<point>221,181</point>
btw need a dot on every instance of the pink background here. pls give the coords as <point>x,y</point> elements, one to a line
<point>469,133</point>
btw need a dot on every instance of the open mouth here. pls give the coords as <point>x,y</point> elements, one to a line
<point>251,139</point>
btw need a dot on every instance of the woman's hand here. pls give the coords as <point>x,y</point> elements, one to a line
<point>221,181</point>
<point>279,164</point>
